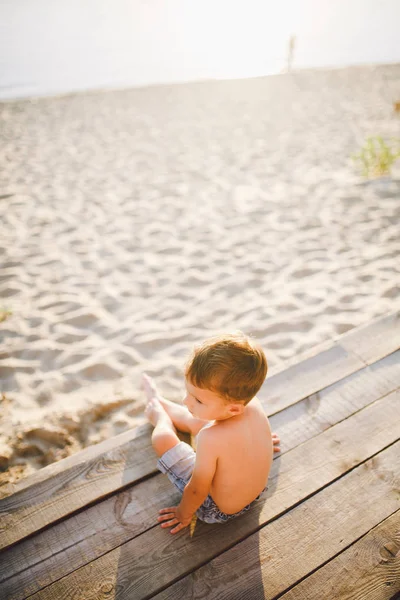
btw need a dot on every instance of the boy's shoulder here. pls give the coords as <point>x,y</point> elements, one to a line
<point>209,441</point>
<point>208,432</point>
<point>211,435</point>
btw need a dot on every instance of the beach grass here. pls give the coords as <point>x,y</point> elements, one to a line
<point>4,313</point>
<point>377,156</point>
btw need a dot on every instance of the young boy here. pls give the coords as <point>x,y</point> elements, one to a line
<point>235,446</point>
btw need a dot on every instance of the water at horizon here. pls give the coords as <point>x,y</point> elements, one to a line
<point>49,48</point>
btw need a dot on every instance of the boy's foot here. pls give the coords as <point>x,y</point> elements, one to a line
<point>154,410</point>
<point>178,413</point>
<point>149,386</point>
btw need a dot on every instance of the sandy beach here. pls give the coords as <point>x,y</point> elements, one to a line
<point>135,223</point>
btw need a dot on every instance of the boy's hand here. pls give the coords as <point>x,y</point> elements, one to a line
<point>276,442</point>
<point>172,516</point>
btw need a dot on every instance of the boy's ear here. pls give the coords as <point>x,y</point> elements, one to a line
<point>236,408</point>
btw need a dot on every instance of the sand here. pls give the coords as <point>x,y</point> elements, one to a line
<point>136,223</point>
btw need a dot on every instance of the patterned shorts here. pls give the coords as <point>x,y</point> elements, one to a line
<point>178,464</point>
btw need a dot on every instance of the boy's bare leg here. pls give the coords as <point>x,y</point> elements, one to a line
<point>164,435</point>
<point>179,415</point>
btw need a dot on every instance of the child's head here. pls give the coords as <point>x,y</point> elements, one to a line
<point>232,367</point>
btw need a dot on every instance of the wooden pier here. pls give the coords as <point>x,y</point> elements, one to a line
<point>85,528</point>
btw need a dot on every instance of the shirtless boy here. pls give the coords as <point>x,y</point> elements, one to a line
<point>235,446</point>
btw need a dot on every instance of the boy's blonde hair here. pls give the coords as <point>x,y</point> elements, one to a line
<point>230,365</point>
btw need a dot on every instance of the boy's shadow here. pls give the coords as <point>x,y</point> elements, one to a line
<point>237,573</point>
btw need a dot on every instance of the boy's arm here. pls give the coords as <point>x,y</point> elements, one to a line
<point>198,487</point>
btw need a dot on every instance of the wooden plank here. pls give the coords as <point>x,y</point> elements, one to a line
<point>318,412</point>
<point>368,570</point>
<point>308,377</point>
<point>83,456</point>
<point>98,529</point>
<point>83,537</point>
<point>376,339</point>
<point>64,487</point>
<point>85,477</point>
<point>351,352</point>
<point>269,562</point>
<point>323,458</point>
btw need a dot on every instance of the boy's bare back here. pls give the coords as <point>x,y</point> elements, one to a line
<point>243,450</point>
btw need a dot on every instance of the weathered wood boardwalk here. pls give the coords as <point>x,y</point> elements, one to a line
<point>85,528</point>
